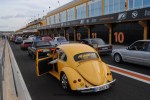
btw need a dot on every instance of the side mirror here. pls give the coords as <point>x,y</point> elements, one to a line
<point>128,48</point>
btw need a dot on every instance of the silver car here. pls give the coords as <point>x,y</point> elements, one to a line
<point>137,53</point>
<point>98,44</point>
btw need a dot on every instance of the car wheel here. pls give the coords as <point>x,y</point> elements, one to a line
<point>117,58</point>
<point>64,82</point>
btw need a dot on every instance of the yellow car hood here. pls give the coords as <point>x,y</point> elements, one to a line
<point>92,72</point>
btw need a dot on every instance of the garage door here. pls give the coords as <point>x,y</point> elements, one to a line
<point>126,33</point>
<point>100,31</point>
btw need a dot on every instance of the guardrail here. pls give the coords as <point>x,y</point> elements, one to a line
<point>13,87</point>
<point>2,46</point>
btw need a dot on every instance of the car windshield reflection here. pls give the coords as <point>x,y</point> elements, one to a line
<point>98,41</point>
<point>85,56</point>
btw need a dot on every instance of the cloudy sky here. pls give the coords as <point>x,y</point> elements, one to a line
<point>15,14</point>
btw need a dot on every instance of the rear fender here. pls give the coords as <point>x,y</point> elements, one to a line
<point>108,73</point>
<point>73,78</point>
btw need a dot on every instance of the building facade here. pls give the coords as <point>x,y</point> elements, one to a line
<point>32,27</point>
<point>115,21</point>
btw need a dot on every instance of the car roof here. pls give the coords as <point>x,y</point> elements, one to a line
<point>76,48</point>
<point>27,40</point>
<point>144,40</point>
<point>37,41</point>
<point>91,38</point>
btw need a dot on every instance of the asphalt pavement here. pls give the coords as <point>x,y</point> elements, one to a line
<point>46,87</point>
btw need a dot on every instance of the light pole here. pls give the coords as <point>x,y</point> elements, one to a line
<point>58,3</point>
<point>49,8</point>
<point>43,13</point>
<point>38,16</point>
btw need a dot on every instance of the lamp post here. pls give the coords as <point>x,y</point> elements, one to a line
<point>38,16</point>
<point>58,3</point>
<point>43,13</point>
<point>49,8</point>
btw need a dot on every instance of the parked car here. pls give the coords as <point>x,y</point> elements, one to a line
<point>59,40</point>
<point>18,40</point>
<point>78,67</point>
<point>98,44</point>
<point>25,44</point>
<point>46,38</point>
<point>138,53</point>
<point>31,37</point>
<point>42,45</point>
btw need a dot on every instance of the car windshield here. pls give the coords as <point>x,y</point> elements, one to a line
<point>98,41</point>
<point>43,43</point>
<point>61,39</point>
<point>85,56</point>
<point>19,38</point>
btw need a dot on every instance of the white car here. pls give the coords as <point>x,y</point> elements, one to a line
<point>59,40</point>
<point>137,53</point>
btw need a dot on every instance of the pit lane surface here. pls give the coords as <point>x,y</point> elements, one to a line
<point>47,87</point>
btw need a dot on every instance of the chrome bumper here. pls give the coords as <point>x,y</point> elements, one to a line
<point>96,88</point>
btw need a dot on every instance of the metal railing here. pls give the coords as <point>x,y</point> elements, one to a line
<point>2,46</point>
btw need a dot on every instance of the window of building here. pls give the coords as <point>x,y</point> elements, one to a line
<point>48,20</point>
<point>135,4</point>
<point>113,6</point>
<point>63,16</point>
<point>57,18</point>
<point>95,8</point>
<point>130,4</point>
<point>122,5</point>
<point>106,6</point>
<point>52,20</point>
<point>146,3</point>
<point>71,15</point>
<point>116,7</point>
<point>81,11</point>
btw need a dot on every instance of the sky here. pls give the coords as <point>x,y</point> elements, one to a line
<point>15,14</point>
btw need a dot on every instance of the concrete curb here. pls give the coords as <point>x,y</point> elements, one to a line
<point>14,87</point>
<point>9,90</point>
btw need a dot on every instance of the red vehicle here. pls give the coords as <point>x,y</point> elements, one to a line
<point>46,38</point>
<point>25,44</point>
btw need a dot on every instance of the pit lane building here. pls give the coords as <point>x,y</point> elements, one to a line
<point>115,21</point>
<point>31,28</point>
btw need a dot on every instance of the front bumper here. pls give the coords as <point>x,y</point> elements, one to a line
<point>96,88</point>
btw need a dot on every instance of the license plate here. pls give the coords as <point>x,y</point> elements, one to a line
<point>45,50</point>
<point>102,88</point>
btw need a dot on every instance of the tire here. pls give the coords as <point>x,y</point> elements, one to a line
<point>64,82</point>
<point>117,58</point>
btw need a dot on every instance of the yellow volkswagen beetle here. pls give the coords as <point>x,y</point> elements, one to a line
<point>78,67</point>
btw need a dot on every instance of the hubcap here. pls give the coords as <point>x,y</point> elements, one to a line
<point>64,81</point>
<point>117,58</point>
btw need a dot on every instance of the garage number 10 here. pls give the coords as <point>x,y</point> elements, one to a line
<point>119,37</point>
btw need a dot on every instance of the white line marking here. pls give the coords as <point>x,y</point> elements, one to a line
<point>129,71</point>
<point>130,76</point>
